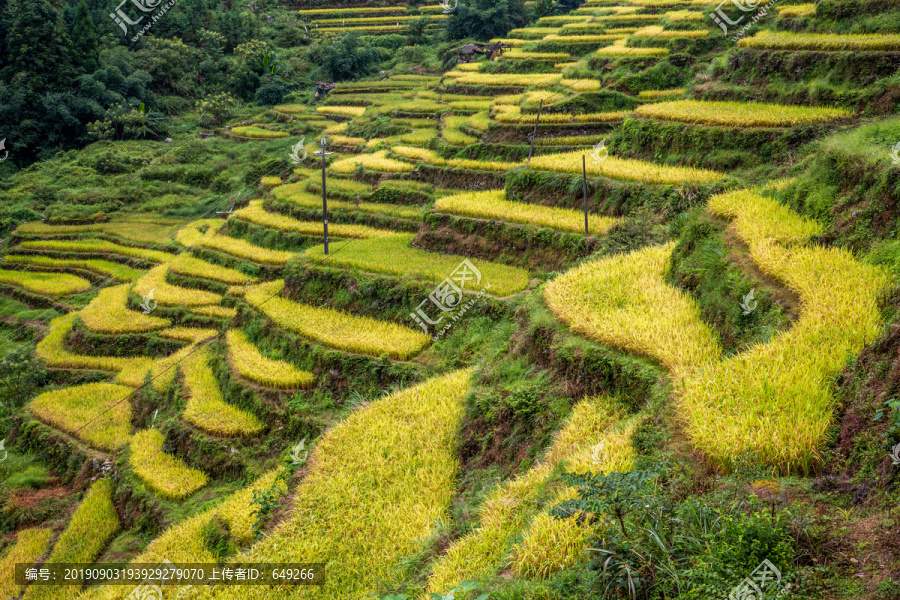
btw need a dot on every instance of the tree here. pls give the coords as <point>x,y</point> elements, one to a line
<point>84,39</point>
<point>486,19</point>
<point>347,59</point>
<point>39,45</point>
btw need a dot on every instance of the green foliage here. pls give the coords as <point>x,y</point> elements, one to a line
<point>215,109</point>
<point>123,121</point>
<point>84,39</point>
<point>217,538</point>
<point>486,19</point>
<point>347,59</point>
<point>21,375</point>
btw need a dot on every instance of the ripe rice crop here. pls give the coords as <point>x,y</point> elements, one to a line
<point>740,114</point>
<point>431,157</point>
<point>539,80</point>
<point>199,230</point>
<point>627,18</point>
<point>822,42</point>
<point>270,181</point>
<point>171,295</point>
<point>568,140</point>
<point>796,10</point>
<point>220,312</point>
<point>258,133</point>
<point>253,365</point>
<point>255,213</point>
<point>377,161</point>
<point>479,122</point>
<point>47,284</point>
<point>468,67</point>
<point>374,20</point>
<point>334,328</point>
<point>581,85</point>
<point>188,334</point>
<point>510,506</point>
<point>470,105</point>
<point>667,3</point>
<point>96,247</point>
<point>52,349</point>
<point>360,9</point>
<point>657,31</point>
<point>96,413</point>
<point>511,41</point>
<point>162,370</point>
<point>395,256</point>
<point>627,169</point>
<point>353,111</point>
<point>564,65</point>
<point>150,229</point>
<point>775,400</point>
<point>109,268</point>
<point>562,19</point>
<point>619,49</point>
<point>684,15</point>
<point>165,474</point>
<point>420,136</point>
<point>246,250</point>
<point>190,266</point>
<point>29,546</point>
<point>531,32</point>
<point>624,301</point>
<point>311,201</point>
<point>658,94</point>
<point>452,133</point>
<point>522,54</point>
<point>493,205</point>
<point>90,529</point>
<point>291,109</point>
<point>205,406</point>
<point>108,313</point>
<point>343,140</point>
<point>583,39</point>
<point>402,482</point>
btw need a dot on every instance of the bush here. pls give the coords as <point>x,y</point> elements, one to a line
<point>271,93</point>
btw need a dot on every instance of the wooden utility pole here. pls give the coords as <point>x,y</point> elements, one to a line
<point>584,189</point>
<point>534,133</point>
<point>323,154</point>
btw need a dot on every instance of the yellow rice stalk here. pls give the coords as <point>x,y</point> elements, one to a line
<point>568,140</point>
<point>431,157</point>
<point>337,329</point>
<point>257,133</point>
<point>796,10</point>
<point>162,370</point>
<point>395,256</point>
<point>685,15</point>
<point>775,399</point>
<point>246,250</point>
<point>667,3</point>
<point>96,247</point>
<point>657,31</point>
<point>493,205</point>
<point>188,334</point>
<point>311,201</point>
<point>255,213</point>
<point>253,365</point>
<point>291,109</point>
<point>374,20</point>
<point>29,546</point>
<point>468,67</point>
<point>583,39</point>
<point>510,41</point>
<point>133,227</point>
<point>512,504</point>
<point>96,413</point>
<point>823,42</point>
<point>107,313</point>
<point>47,284</point>
<point>523,55</point>
<point>402,482</point>
<point>628,18</point>
<point>190,266</point>
<point>539,80</point>
<point>333,128</point>
<point>627,169</point>
<point>343,140</point>
<point>184,542</point>
<point>165,474</point>
<point>377,161</point>
<point>352,111</point>
<point>581,85</point>
<point>108,268</point>
<point>354,10</point>
<point>533,31</point>
<point>171,295</point>
<point>91,527</point>
<point>52,349</point>
<point>199,230</point>
<point>270,181</point>
<point>618,49</point>
<point>564,65</point>
<point>658,94</point>
<point>740,114</point>
<point>625,302</point>
<point>479,122</point>
<point>205,406</point>
<point>220,312</point>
